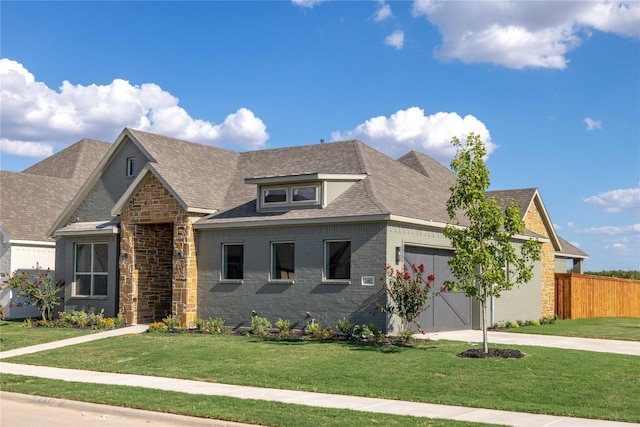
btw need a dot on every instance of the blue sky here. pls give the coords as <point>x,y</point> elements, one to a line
<point>552,87</point>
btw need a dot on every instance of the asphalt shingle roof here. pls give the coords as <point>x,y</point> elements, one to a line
<point>30,201</point>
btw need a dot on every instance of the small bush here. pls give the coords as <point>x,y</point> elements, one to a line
<point>157,327</point>
<point>362,331</point>
<point>406,335</point>
<point>213,326</point>
<point>345,326</point>
<point>535,323</point>
<point>514,325</point>
<point>260,326</point>
<point>171,322</point>
<point>314,329</point>
<point>284,327</point>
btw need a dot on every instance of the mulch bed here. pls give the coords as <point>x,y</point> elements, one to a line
<point>505,353</point>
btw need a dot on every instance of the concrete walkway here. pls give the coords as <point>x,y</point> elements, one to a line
<point>587,344</point>
<point>307,398</point>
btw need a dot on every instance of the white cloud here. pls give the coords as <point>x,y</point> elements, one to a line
<point>520,34</point>
<point>383,13</point>
<point>623,200</point>
<point>631,230</point>
<point>592,124</point>
<point>306,3</point>
<point>411,129</point>
<point>35,117</point>
<point>395,39</point>
<point>576,244</point>
<point>25,148</point>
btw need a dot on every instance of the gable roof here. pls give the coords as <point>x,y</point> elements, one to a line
<point>76,162</point>
<point>31,200</point>
<point>390,188</point>
<point>525,197</point>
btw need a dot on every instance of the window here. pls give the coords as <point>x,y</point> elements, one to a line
<point>274,195</point>
<point>130,166</point>
<point>91,269</point>
<point>232,262</point>
<point>337,260</point>
<point>282,261</point>
<point>304,194</point>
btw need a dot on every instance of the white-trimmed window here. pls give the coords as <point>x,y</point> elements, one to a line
<point>337,259</point>
<point>91,269</point>
<point>274,196</point>
<point>283,261</point>
<point>232,261</point>
<point>307,194</point>
<point>131,163</point>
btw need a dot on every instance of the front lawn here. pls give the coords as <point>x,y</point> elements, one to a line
<point>610,328</point>
<point>249,411</point>
<point>547,380</point>
<point>14,334</point>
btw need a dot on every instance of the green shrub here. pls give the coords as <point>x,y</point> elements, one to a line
<point>171,322</point>
<point>212,326</point>
<point>314,329</point>
<point>157,327</point>
<point>345,326</point>
<point>406,335</point>
<point>284,327</point>
<point>260,326</point>
<point>362,331</point>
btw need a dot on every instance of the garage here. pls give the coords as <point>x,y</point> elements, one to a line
<point>449,311</point>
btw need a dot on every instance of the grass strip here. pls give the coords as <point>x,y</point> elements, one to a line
<point>548,380</point>
<point>609,328</point>
<point>215,407</point>
<point>14,334</point>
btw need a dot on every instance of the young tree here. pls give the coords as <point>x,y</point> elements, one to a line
<point>38,289</point>
<point>486,262</point>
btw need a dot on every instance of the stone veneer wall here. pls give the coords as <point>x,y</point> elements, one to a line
<point>533,221</point>
<point>153,204</point>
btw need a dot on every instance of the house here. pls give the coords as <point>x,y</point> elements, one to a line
<point>30,201</point>
<point>164,226</point>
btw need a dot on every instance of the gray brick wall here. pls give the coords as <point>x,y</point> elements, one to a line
<point>97,205</point>
<point>326,302</point>
<point>65,258</point>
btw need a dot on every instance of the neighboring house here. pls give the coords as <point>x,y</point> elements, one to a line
<point>164,226</point>
<point>30,201</point>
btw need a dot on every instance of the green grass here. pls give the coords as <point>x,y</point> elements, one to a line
<point>611,328</point>
<point>547,380</point>
<point>216,407</point>
<point>15,335</point>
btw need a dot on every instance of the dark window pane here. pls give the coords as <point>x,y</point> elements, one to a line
<point>83,258</point>
<point>304,194</point>
<point>338,259</point>
<point>283,261</point>
<point>233,262</point>
<point>100,254</point>
<point>83,284</point>
<point>277,195</point>
<point>100,285</point>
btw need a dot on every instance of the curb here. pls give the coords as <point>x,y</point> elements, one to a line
<point>108,410</point>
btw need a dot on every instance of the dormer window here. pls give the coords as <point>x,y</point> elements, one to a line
<point>288,196</point>
<point>304,194</point>
<point>130,166</point>
<point>301,191</point>
<point>274,195</point>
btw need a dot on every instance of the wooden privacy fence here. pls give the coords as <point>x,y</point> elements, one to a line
<point>580,296</point>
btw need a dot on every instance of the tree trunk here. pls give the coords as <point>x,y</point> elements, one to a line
<point>485,339</point>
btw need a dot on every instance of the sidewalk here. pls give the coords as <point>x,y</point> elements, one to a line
<point>306,398</point>
<point>586,344</point>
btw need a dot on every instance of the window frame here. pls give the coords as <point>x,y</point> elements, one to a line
<point>263,196</point>
<point>326,270</point>
<point>131,163</point>
<point>315,201</point>
<point>91,274</point>
<point>273,276</point>
<point>224,266</point>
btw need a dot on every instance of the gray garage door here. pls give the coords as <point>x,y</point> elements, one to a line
<point>451,310</point>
